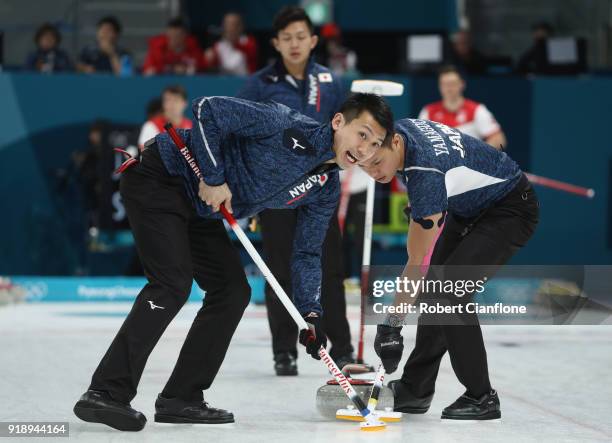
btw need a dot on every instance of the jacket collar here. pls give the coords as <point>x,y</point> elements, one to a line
<point>279,72</point>
<point>322,138</point>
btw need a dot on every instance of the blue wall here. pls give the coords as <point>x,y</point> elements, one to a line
<point>555,127</point>
<point>44,119</point>
<point>569,142</point>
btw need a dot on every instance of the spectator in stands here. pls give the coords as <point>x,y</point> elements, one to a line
<point>534,60</point>
<point>48,57</point>
<point>105,55</point>
<point>174,103</point>
<point>87,164</point>
<point>236,52</point>
<point>465,56</point>
<point>455,110</point>
<point>174,52</point>
<point>338,58</point>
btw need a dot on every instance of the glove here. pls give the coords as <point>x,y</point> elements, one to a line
<point>389,345</point>
<point>313,337</point>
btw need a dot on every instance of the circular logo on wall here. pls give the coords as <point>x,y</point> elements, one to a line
<point>35,290</point>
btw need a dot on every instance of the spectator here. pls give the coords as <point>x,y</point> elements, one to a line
<point>534,60</point>
<point>236,52</point>
<point>339,59</point>
<point>455,110</point>
<point>174,103</point>
<point>175,52</point>
<point>88,165</point>
<point>105,55</point>
<point>48,57</point>
<point>465,56</point>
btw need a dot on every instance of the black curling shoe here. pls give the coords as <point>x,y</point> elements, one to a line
<point>99,407</point>
<point>468,408</point>
<point>404,401</point>
<point>175,410</point>
<point>285,364</point>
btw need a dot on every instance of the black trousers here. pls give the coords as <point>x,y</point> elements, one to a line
<point>175,246</point>
<point>352,238</point>
<point>278,228</point>
<point>490,240</point>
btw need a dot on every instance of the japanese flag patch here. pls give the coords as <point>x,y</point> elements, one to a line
<point>325,77</point>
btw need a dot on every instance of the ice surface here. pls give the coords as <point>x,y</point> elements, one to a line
<point>555,382</point>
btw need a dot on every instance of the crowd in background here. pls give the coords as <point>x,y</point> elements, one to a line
<point>177,51</point>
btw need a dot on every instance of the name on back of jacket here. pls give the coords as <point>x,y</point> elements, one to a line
<point>437,140</point>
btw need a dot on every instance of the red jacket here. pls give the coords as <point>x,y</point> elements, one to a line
<point>246,44</point>
<point>161,59</point>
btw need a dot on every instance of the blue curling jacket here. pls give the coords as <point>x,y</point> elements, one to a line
<point>270,157</point>
<point>318,96</point>
<point>447,170</point>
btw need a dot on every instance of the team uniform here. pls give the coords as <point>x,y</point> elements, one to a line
<point>179,238</point>
<point>491,212</point>
<point>318,96</point>
<point>472,118</point>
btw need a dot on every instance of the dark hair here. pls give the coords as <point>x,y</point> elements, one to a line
<point>110,20</point>
<point>232,12</point>
<point>176,22</point>
<point>359,102</point>
<point>43,29</point>
<point>544,26</point>
<point>449,69</point>
<point>175,89</point>
<point>288,15</point>
<point>154,107</point>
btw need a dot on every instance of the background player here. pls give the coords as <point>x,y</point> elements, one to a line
<point>454,110</point>
<point>297,81</point>
<point>174,103</point>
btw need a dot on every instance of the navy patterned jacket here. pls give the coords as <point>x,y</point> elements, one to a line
<point>270,157</point>
<point>318,96</point>
<point>447,170</point>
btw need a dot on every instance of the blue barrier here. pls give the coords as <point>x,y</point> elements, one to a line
<point>45,118</point>
<point>102,289</point>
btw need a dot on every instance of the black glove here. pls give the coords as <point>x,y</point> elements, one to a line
<point>389,345</point>
<point>313,337</point>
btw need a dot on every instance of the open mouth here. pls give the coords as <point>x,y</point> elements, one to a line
<point>351,158</point>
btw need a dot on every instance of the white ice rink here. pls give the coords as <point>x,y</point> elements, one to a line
<point>555,383</point>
